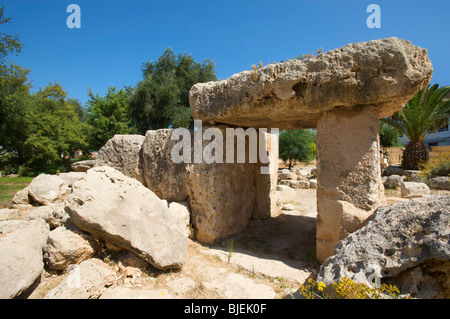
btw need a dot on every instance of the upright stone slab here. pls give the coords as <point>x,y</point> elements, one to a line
<point>162,175</point>
<point>222,195</point>
<point>349,177</point>
<point>124,153</point>
<point>266,177</point>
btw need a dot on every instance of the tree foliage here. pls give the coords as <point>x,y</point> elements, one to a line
<point>297,145</point>
<point>108,115</point>
<point>389,136</point>
<point>41,132</point>
<point>9,44</point>
<point>55,129</point>
<point>422,116</point>
<point>161,99</point>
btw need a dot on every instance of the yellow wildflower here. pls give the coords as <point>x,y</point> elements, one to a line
<point>320,286</point>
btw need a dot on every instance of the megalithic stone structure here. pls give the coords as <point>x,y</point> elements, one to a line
<point>343,93</point>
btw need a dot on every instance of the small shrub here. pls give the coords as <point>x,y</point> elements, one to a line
<point>441,169</point>
<point>348,289</point>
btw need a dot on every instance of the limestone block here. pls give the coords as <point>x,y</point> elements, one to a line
<point>293,94</point>
<point>348,171</point>
<point>167,179</point>
<point>123,152</point>
<point>413,189</point>
<point>121,211</point>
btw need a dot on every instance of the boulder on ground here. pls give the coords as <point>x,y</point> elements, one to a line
<point>393,181</point>
<point>406,244</point>
<point>397,170</point>
<point>440,182</point>
<point>287,175</point>
<point>182,211</point>
<point>124,153</point>
<point>287,193</point>
<point>413,189</point>
<point>88,280</point>
<point>121,211</point>
<point>22,197</point>
<point>299,184</point>
<point>53,214</point>
<point>9,213</point>
<point>71,177</point>
<point>66,246</point>
<point>21,244</point>
<point>82,166</point>
<point>46,189</point>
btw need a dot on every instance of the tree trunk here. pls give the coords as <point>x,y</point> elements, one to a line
<point>415,155</point>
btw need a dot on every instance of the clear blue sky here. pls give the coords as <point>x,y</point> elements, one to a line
<point>118,36</point>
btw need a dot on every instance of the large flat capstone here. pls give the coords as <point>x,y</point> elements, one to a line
<point>295,93</point>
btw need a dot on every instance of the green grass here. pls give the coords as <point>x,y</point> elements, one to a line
<point>9,187</point>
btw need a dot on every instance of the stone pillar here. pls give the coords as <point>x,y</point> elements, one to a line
<point>349,177</point>
<point>266,176</point>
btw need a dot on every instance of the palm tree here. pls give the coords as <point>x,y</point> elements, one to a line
<point>422,116</point>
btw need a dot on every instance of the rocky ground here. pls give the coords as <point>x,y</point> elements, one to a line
<point>270,259</point>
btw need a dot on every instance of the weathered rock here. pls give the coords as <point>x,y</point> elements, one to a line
<point>266,178</point>
<point>293,94</point>
<point>222,196</point>
<point>8,214</point>
<point>222,199</point>
<point>163,176</point>
<point>120,210</point>
<point>130,265</point>
<point>68,246</point>
<point>393,170</point>
<point>53,214</point>
<point>299,184</point>
<point>82,166</point>
<point>22,197</point>
<point>402,242</point>
<point>124,153</point>
<point>393,181</point>
<point>440,182</point>
<point>396,170</point>
<point>71,177</point>
<point>313,183</point>
<point>287,193</point>
<point>287,175</point>
<point>349,176</point>
<point>413,189</point>
<point>46,189</point>
<point>88,280</point>
<point>182,212</point>
<point>21,244</point>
